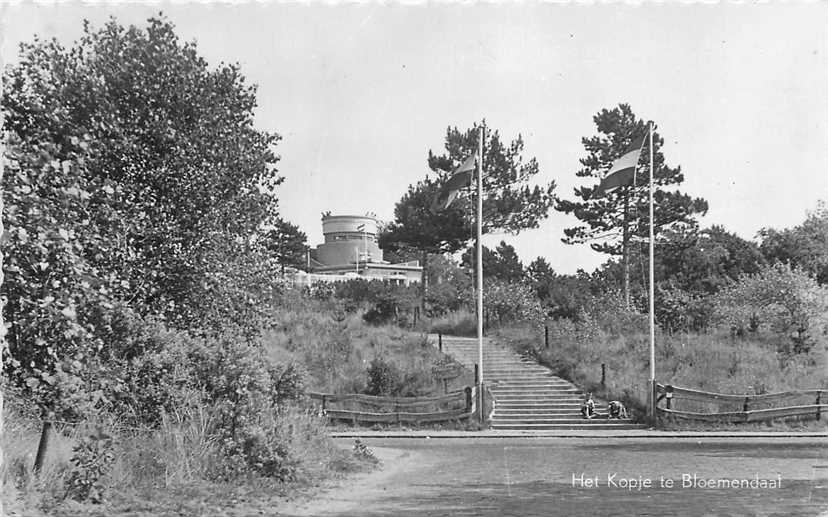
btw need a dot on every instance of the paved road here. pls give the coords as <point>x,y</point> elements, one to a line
<point>543,477</point>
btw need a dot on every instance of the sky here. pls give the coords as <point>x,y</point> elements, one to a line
<point>361,92</point>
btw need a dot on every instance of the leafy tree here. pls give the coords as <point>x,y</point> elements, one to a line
<point>781,299</point>
<point>502,263</point>
<point>187,178</point>
<point>611,223</point>
<point>510,204</point>
<point>804,246</point>
<point>287,243</point>
<point>135,183</point>
<point>506,302</point>
<point>540,276</point>
<point>702,262</point>
<point>450,286</point>
<point>54,296</point>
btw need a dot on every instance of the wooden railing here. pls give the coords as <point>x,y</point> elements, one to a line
<point>359,408</point>
<point>748,408</point>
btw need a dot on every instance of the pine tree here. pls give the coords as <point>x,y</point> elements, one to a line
<point>614,222</point>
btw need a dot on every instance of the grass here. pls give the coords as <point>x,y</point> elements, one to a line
<point>170,470</point>
<point>703,361</point>
<point>176,468</point>
<point>454,324</point>
<point>337,349</point>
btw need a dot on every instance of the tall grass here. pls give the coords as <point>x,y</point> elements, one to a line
<point>705,361</point>
<point>337,349</point>
<point>181,453</point>
<point>461,323</point>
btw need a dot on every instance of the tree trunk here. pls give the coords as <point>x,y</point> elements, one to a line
<point>625,248</point>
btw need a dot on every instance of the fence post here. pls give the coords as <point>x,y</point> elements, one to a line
<point>546,335</point>
<point>603,374</point>
<point>481,402</point>
<point>445,386</point>
<point>476,374</point>
<point>668,394</point>
<point>43,444</point>
<point>468,398</point>
<point>819,411</point>
<point>440,341</point>
<point>745,407</point>
<point>323,404</point>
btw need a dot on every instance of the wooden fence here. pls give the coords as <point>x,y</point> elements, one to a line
<point>359,408</point>
<point>740,408</point>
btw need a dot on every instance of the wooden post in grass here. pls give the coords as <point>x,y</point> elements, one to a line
<point>43,444</point>
<point>603,374</point>
<point>819,411</point>
<point>546,336</point>
<point>468,391</point>
<point>440,341</point>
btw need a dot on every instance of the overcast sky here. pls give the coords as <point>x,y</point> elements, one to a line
<point>360,93</point>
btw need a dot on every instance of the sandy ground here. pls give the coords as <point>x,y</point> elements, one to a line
<point>348,495</point>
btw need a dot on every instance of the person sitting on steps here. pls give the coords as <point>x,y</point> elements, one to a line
<point>588,409</point>
<point>617,409</point>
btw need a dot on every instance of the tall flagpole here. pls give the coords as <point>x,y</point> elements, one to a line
<point>652,290</point>
<point>480,267</point>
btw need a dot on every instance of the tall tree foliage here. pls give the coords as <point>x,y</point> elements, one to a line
<point>192,179</point>
<point>510,202</point>
<point>804,246</point>
<point>287,243</point>
<point>613,222</point>
<point>136,183</point>
<point>502,263</point>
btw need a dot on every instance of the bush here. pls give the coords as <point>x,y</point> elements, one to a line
<point>785,302</point>
<point>510,302</point>
<point>384,378</point>
<point>92,459</point>
<point>455,324</point>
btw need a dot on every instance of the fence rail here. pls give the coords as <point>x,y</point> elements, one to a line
<point>749,410</point>
<point>372,409</point>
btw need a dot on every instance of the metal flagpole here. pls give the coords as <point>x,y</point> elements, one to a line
<point>480,267</point>
<point>652,290</point>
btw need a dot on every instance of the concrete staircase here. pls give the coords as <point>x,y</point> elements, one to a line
<point>526,395</point>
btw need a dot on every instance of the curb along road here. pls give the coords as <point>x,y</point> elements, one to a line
<point>574,434</point>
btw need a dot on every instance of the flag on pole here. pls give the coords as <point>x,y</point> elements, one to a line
<point>461,177</point>
<point>622,172</point>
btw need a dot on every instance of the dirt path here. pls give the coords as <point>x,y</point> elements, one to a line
<point>355,491</point>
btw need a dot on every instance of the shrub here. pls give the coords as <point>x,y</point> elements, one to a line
<point>91,460</point>
<point>363,452</point>
<point>510,302</point>
<point>784,301</point>
<point>384,377</point>
<point>455,324</point>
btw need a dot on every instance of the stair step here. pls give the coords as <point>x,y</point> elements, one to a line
<point>539,393</point>
<point>539,405</point>
<point>559,419</point>
<point>562,400</point>
<point>568,427</point>
<point>528,396</point>
<point>540,411</point>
